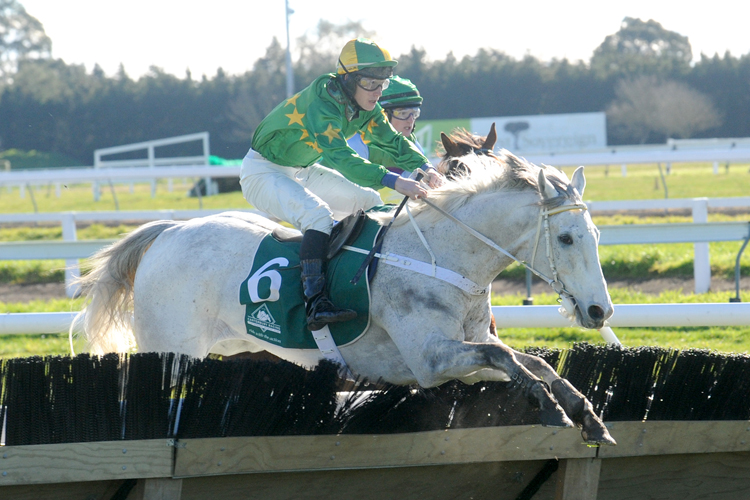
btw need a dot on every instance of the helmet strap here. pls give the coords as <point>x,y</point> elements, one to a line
<point>343,67</point>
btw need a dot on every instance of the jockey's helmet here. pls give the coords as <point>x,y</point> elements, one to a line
<point>366,58</point>
<point>401,93</point>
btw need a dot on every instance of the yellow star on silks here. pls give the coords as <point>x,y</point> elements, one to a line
<point>292,100</point>
<point>331,133</point>
<point>305,134</point>
<point>295,117</point>
<point>371,126</point>
<point>314,145</point>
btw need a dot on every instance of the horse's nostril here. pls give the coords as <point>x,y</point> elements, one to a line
<point>596,312</point>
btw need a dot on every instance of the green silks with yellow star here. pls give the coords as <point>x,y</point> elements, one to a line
<point>313,126</point>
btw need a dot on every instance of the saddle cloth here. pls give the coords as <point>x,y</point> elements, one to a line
<point>273,298</point>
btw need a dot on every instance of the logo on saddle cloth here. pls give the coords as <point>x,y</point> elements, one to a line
<point>273,299</point>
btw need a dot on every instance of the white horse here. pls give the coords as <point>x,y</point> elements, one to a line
<point>172,286</point>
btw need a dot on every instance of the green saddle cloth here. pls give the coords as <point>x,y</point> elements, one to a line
<point>273,298</point>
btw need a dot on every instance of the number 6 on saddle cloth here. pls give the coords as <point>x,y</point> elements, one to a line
<point>272,295</point>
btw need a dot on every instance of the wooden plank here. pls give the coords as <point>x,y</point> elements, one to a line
<point>158,489</point>
<point>677,437</point>
<point>195,457</point>
<point>714,476</point>
<point>62,491</point>
<point>97,461</point>
<point>578,479</point>
<point>490,480</point>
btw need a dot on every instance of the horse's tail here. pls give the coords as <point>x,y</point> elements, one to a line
<point>106,321</point>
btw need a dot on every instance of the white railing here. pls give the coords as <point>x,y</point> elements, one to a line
<point>87,174</point>
<point>699,209</point>
<point>610,235</point>
<point>631,315</point>
<point>70,248</point>
<point>174,167</point>
<point>151,161</point>
<point>700,232</point>
<point>698,206</point>
<point>150,147</point>
<point>629,156</point>
<point>625,316</point>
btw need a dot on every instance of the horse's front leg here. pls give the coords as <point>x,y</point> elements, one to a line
<point>575,404</point>
<point>445,359</point>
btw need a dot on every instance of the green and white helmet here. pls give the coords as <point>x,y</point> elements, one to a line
<point>401,93</point>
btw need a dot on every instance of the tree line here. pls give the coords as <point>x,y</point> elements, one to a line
<point>642,77</point>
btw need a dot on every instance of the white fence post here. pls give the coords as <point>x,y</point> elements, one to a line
<point>152,164</point>
<point>702,261</point>
<point>72,271</point>
<point>624,170</point>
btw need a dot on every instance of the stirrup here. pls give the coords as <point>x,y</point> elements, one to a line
<point>321,311</point>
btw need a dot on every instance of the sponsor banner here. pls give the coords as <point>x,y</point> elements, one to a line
<point>547,133</point>
<point>523,135</point>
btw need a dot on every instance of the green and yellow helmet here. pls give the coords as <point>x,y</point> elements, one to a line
<point>401,93</point>
<point>366,58</point>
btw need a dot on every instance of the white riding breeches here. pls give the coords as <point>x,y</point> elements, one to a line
<point>308,198</point>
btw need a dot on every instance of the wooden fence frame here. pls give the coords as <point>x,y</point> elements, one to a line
<point>678,459</point>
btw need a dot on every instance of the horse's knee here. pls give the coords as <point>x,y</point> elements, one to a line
<point>537,366</point>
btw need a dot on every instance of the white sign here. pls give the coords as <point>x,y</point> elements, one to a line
<point>546,133</point>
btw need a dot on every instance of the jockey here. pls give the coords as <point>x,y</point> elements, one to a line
<point>282,175</point>
<point>401,102</point>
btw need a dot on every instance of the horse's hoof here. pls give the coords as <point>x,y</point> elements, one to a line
<point>555,417</point>
<point>598,436</point>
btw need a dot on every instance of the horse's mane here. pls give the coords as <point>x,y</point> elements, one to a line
<point>485,172</point>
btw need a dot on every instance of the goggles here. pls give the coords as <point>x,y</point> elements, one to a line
<point>405,113</point>
<point>372,84</point>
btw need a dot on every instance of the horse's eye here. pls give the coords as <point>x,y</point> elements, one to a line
<point>565,239</point>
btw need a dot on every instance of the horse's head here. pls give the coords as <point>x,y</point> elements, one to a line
<point>560,240</point>
<point>461,143</point>
<point>535,213</point>
<point>566,248</point>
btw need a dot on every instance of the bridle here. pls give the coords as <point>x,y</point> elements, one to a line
<point>543,222</point>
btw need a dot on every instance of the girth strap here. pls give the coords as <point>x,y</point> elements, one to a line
<point>426,269</point>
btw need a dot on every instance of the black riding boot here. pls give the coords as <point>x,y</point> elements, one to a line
<point>319,308</point>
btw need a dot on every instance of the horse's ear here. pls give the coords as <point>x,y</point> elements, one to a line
<point>489,142</point>
<point>451,148</point>
<point>545,188</point>
<point>579,181</point>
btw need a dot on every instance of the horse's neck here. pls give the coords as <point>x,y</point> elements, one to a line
<point>508,220</point>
